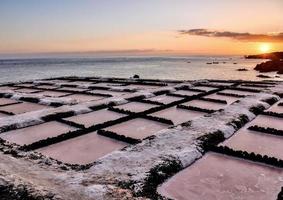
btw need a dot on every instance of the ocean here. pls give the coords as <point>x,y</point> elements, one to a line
<point>153,67</point>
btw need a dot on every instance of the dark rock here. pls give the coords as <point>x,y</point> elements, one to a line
<point>270,66</point>
<point>271,56</point>
<point>136,76</point>
<point>242,69</point>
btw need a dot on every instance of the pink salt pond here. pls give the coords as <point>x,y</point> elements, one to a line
<point>205,88</point>
<point>110,92</point>
<point>136,106</point>
<point>178,115</point>
<point>205,104</point>
<point>137,128</point>
<point>252,141</point>
<point>229,91</point>
<point>35,133</point>
<point>83,149</point>
<point>228,99</point>
<point>27,90</point>
<point>268,121</point>
<point>25,85</point>
<point>7,88</point>
<point>186,92</point>
<point>165,99</point>
<point>6,101</point>
<point>218,177</point>
<point>144,87</point>
<point>84,97</point>
<point>22,108</point>
<point>53,93</point>
<point>276,108</point>
<point>48,87</point>
<point>3,115</point>
<point>221,83</point>
<point>72,89</point>
<point>96,117</point>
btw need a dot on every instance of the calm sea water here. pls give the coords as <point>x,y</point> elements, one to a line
<point>181,68</point>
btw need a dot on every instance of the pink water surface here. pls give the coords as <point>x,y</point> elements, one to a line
<point>218,177</point>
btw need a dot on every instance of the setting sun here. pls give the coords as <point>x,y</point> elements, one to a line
<point>264,48</point>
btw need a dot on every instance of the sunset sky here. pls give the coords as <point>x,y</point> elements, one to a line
<point>145,26</point>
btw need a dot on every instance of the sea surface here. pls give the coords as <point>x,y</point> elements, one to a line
<point>182,68</point>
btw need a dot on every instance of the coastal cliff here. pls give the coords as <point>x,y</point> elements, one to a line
<point>274,64</point>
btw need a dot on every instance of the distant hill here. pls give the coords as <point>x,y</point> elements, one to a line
<point>271,56</point>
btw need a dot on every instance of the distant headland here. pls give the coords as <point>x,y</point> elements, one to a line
<point>271,56</point>
<point>274,64</point>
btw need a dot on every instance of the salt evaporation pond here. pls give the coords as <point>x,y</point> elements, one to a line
<point>228,99</point>
<point>238,92</point>
<point>178,115</point>
<point>205,104</point>
<point>96,117</point>
<point>137,128</point>
<point>22,107</point>
<point>268,121</point>
<point>27,90</point>
<point>186,92</point>
<point>260,143</point>
<point>109,92</point>
<point>83,149</point>
<point>5,101</point>
<point>205,88</point>
<point>218,177</point>
<point>83,98</point>
<point>136,106</point>
<point>53,93</point>
<point>31,134</point>
<point>165,99</point>
<point>276,108</point>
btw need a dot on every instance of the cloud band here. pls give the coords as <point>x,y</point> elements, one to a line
<point>246,37</point>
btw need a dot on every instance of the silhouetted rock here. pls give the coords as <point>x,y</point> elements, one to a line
<point>242,69</point>
<point>271,56</point>
<point>136,76</point>
<point>270,66</point>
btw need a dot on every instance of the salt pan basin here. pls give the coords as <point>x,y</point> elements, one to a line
<point>276,108</point>
<point>228,99</point>
<point>229,91</point>
<point>219,177</point>
<point>186,92</point>
<point>27,90</point>
<point>23,107</point>
<point>205,88</point>
<point>3,115</point>
<point>84,97</point>
<point>50,93</point>
<point>165,99</point>
<point>5,101</point>
<point>96,117</point>
<point>205,104</point>
<point>28,135</point>
<point>137,128</point>
<point>136,106</point>
<point>257,142</point>
<point>82,150</point>
<point>268,121</point>
<point>178,115</point>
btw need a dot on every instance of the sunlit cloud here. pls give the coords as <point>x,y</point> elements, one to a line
<point>246,37</point>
